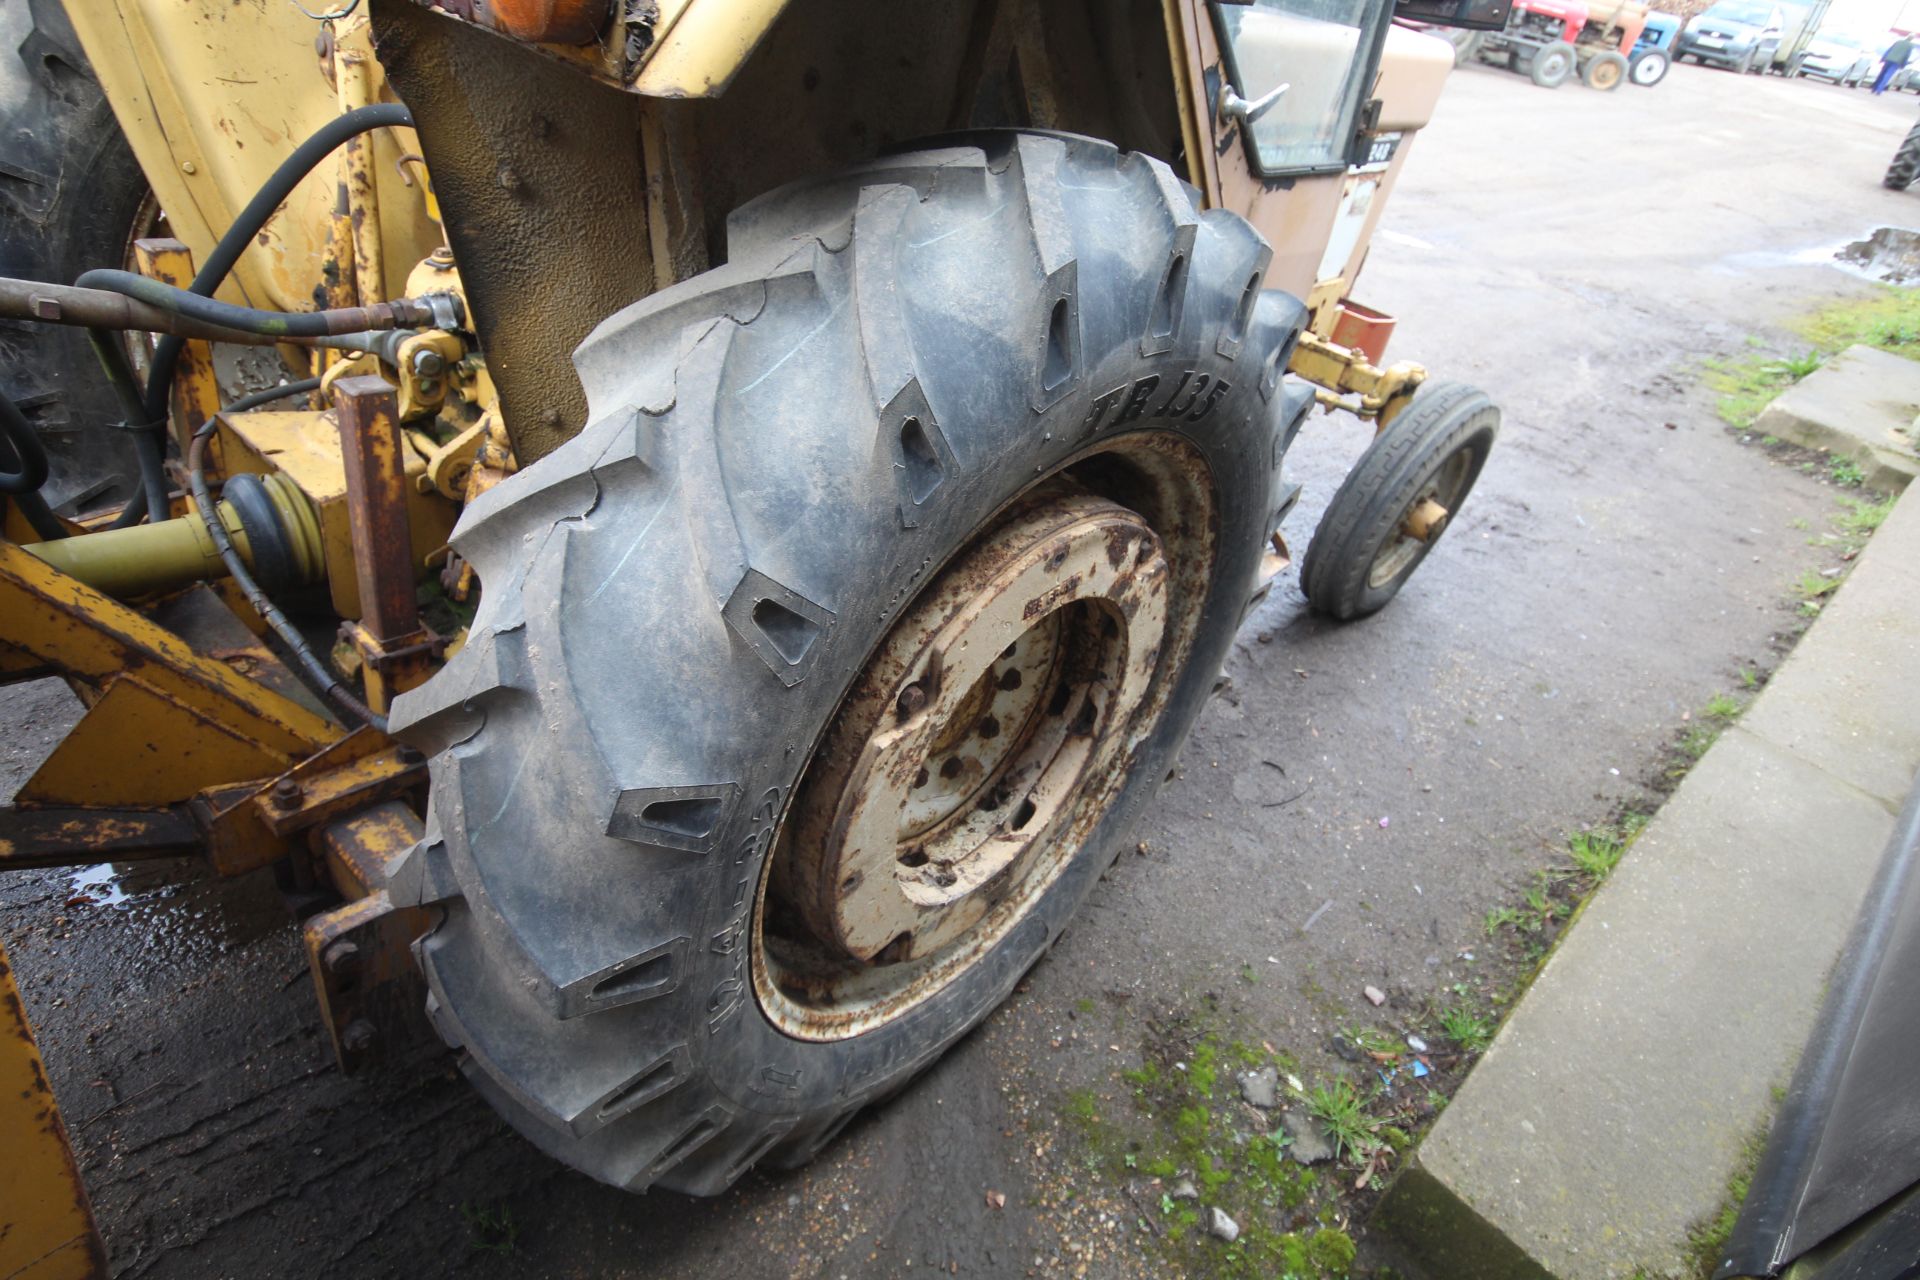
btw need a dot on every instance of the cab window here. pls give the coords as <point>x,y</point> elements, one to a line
<point>1323,52</point>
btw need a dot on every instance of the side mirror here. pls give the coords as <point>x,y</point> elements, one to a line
<point>1473,15</point>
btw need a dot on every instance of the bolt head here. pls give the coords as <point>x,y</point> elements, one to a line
<point>427,362</point>
<point>342,956</point>
<point>410,755</point>
<point>286,794</point>
<point>912,698</point>
<point>358,1036</point>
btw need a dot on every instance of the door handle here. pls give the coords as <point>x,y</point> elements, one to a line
<point>1235,107</point>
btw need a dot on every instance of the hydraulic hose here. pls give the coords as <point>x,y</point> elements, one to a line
<point>152,498</point>
<point>28,456</point>
<point>146,413</point>
<point>253,219</point>
<point>254,399</point>
<point>351,321</point>
<point>26,471</point>
<point>307,665</point>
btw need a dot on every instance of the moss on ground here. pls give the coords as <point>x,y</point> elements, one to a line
<point>1888,319</point>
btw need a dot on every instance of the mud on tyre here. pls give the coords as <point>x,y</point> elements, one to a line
<point>1010,360</point>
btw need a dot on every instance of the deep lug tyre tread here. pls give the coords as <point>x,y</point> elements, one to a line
<point>1906,163</point>
<point>780,453</point>
<point>69,193</point>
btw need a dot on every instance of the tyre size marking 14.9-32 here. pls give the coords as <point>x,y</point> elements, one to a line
<point>1201,393</point>
<point>731,941</point>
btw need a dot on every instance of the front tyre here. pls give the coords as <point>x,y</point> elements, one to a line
<point>1648,68</point>
<point>1397,501</point>
<point>816,682</point>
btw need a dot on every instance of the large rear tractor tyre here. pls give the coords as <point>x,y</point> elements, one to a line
<point>1604,71</point>
<point>1551,66</point>
<point>71,198</point>
<point>816,682</point>
<point>1397,501</point>
<point>1906,163</point>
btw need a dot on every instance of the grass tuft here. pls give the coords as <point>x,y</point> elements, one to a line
<point>1343,1111</point>
<point>1472,1031</point>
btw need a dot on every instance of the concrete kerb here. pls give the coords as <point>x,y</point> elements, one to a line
<point>1617,1101</point>
<point>1862,404</point>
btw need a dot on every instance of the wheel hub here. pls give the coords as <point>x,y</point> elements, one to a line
<point>973,727</point>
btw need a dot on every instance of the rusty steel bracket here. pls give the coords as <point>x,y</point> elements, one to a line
<point>196,391</point>
<point>371,993</point>
<point>1347,380</point>
<point>425,363</point>
<point>396,651</point>
<point>257,823</point>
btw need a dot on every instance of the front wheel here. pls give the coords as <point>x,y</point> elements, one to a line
<point>1745,65</point>
<point>1648,68</point>
<point>1604,71</point>
<point>819,678</point>
<point>1398,499</point>
<point>1552,65</point>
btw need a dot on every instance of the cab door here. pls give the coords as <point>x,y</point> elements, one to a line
<point>1276,92</point>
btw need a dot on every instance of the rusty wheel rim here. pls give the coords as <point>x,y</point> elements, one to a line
<point>1424,519</point>
<point>985,736</point>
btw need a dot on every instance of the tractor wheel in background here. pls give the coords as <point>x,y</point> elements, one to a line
<point>819,678</point>
<point>1552,65</point>
<point>1648,68</point>
<point>1466,45</point>
<point>71,198</point>
<point>1906,163</point>
<point>1604,71</point>
<point>1398,499</point>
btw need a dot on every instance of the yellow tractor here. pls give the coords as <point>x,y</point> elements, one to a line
<point>682,531</point>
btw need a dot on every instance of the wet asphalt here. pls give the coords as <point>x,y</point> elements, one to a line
<point>1346,813</point>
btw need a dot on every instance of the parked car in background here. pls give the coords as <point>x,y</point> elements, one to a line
<point>1907,78</point>
<point>1838,59</point>
<point>1740,34</point>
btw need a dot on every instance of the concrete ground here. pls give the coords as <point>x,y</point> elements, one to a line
<point>1574,253</point>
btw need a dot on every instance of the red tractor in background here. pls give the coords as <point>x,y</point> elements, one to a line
<point>1549,40</point>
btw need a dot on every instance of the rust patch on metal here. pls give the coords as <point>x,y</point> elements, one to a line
<point>866,913</point>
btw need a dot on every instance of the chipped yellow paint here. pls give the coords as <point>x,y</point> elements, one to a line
<point>46,1223</point>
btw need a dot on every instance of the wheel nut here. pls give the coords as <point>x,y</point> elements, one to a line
<point>912,698</point>
<point>286,794</point>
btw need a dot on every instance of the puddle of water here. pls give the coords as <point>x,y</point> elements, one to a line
<point>1890,255</point>
<point>99,885</point>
